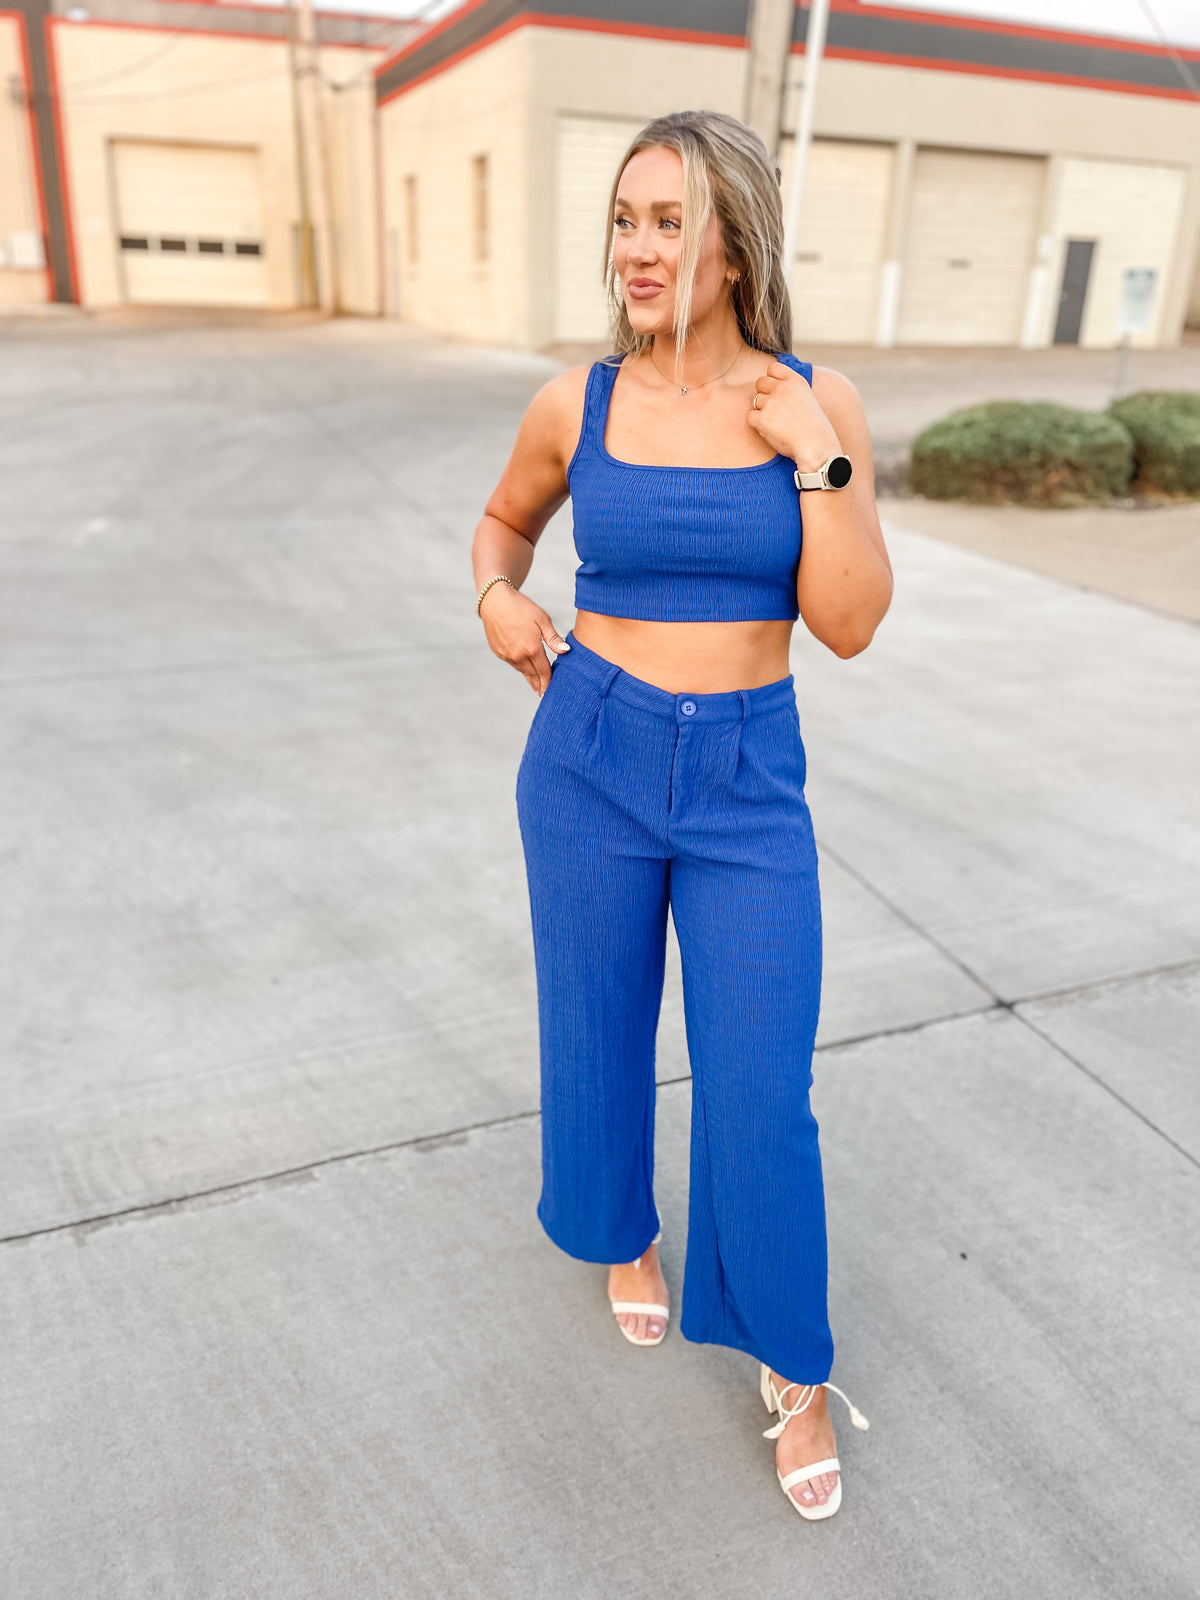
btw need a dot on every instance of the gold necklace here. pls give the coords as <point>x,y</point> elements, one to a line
<point>684,387</point>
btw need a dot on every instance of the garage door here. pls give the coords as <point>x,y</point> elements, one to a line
<point>1131,212</point>
<point>190,220</point>
<point>969,247</point>
<point>588,150</point>
<point>843,226</point>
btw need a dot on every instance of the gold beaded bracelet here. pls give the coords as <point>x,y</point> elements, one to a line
<point>499,578</point>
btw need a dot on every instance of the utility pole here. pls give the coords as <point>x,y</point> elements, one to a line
<point>308,265</point>
<point>316,140</point>
<point>769,37</point>
<point>814,51</point>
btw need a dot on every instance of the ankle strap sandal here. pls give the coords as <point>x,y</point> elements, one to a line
<point>772,1399</point>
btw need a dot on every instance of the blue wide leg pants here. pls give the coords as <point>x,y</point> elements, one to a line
<point>631,799</point>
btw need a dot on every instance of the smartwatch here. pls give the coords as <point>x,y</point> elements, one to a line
<point>831,474</point>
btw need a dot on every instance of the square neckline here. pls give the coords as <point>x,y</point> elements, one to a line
<point>654,466</point>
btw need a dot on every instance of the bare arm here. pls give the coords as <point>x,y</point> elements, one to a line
<point>531,489</point>
<point>844,585</point>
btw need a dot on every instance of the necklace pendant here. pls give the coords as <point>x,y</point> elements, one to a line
<point>683,388</point>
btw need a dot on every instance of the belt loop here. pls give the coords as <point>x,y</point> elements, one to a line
<point>745,699</point>
<point>606,684</point>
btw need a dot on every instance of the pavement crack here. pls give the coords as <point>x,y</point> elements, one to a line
<point>909,922</point>
<point>1138,975</point>
<point>443,1138</point>
<point>918,1026</point>
<point>1067,1055</point>
<point>1012,1006</point>
<point>240,1187</point>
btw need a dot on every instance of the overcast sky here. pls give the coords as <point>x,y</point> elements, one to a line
<point>1131,19</point>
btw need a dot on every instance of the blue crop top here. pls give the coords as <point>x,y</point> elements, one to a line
<point>681,544</point>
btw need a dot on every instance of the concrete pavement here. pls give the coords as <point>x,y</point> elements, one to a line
<point>1146,553</point>
<point>277,1315</point>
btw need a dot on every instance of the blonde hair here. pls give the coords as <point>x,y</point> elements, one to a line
<point>726,169</point>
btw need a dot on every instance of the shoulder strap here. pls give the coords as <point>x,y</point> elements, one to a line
<point>804,368</point>
<point>596,396</point>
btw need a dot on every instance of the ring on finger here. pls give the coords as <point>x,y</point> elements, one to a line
<point>757,398</point>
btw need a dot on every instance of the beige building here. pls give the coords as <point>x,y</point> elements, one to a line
<point>969,183</point>
<point>22,247</point>
<point>159,153</point>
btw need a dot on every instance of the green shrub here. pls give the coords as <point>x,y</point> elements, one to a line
<point>1165,426</point>
<point>1029,452</point>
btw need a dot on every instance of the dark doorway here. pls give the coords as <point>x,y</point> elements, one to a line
<point>1074,290</point>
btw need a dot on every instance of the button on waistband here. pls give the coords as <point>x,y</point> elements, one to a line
<point>687,707</point>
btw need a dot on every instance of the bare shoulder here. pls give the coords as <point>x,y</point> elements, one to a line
<point>842,404</point>
<point>565,387</point>
<point>830,384</point>
<point>556,410</point>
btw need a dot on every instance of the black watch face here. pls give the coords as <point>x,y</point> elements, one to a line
<point>838,472</point>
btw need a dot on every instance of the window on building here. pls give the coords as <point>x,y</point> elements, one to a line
<point>479,188</point>
<point>410,218</point>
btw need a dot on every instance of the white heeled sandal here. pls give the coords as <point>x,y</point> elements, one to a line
<point>773,1402</point>
<point>642,1308</point>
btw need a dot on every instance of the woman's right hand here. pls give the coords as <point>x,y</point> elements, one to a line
<point>516,629</point>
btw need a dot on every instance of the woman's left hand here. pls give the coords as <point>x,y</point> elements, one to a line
<point>787,414</point>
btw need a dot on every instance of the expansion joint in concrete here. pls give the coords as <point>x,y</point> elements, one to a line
<point>1013,1006</point>
<point>459,1135</point>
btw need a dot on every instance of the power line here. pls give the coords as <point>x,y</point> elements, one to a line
<point>156,54</point>
<point>421,14</point>
<point>136,66</point>
<point>67,91</point>
<point>1185,72</point>
<point>171,94</point>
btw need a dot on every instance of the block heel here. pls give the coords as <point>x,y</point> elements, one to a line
<point>773,1402</point>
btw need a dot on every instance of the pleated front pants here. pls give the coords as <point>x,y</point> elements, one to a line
<point>631,799</point>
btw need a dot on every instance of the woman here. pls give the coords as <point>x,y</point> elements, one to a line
<point>664,765</point>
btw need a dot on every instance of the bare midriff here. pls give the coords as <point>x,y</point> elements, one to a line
<point>706,657</point>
